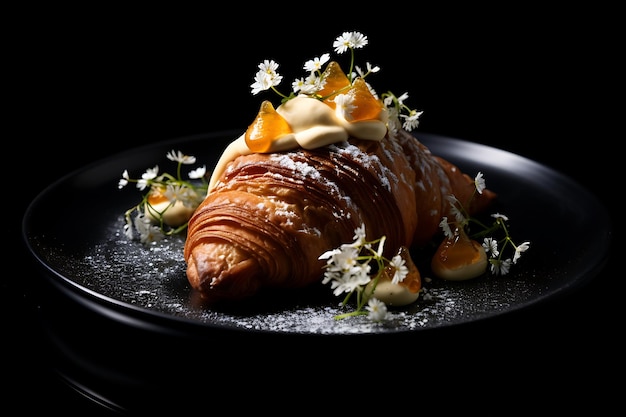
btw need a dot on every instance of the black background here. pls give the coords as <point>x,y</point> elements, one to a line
<point>534,82</point>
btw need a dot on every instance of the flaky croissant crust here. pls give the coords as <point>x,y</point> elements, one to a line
<point>270,216</point>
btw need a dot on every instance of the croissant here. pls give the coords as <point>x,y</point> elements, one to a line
<point>271,215</point>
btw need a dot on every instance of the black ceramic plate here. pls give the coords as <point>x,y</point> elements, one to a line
<point>74,229</point>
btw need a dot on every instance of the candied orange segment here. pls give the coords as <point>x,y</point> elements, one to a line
<point>336,82</point>
<point>367,107</point>
<point>266,127</point>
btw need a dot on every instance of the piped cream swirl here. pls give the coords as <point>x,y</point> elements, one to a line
<point>314,124</point>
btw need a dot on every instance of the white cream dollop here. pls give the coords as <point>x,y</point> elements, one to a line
<point>393,294</point>
<point>173,215</point>
<point>314,124</point>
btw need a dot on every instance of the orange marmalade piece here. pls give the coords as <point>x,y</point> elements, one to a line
<point>367,107</point>
<point>403,293</point>
<point>335,82</point>
<point>413,280</point>
<point>459,258</point>
<point>157,197</point>
<point>266,127</point>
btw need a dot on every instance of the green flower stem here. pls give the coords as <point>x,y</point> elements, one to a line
<point>351,314</point>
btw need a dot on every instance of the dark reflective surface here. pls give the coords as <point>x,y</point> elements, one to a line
<point>128,91</point>
<point>147,287</point>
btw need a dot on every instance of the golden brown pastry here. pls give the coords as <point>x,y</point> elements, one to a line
<point>269,216</point>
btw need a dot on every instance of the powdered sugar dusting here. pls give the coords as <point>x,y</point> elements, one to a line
<point>353,152</point>
<point>153,279</point>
